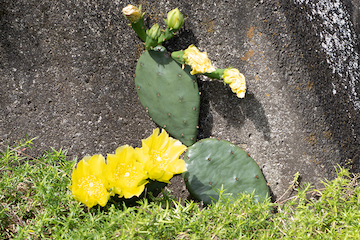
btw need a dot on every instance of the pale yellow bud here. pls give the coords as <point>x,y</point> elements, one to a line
<point>199,61</point>
<point>235,85</point>
<point>236,81</point>
<point>132,13</point>
<point>241,94</point>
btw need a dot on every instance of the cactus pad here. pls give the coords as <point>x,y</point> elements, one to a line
<point>212,163</point>
<point>169,94</point>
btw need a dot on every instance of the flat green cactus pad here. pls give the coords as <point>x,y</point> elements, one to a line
<point>213,164</point>
<point>169,94</point>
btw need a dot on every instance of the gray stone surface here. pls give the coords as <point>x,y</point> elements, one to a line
<point>66,75</point>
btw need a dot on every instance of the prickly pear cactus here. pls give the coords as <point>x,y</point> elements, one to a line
<point>212,163</point>
<point>169,94</point>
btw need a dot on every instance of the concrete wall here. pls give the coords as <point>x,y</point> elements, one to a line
<point>66,75</point>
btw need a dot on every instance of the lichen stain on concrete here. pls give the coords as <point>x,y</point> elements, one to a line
<point>250,32</point>
<point>311,139</point>
<point>248,55</point>
<point>328,134</point>
<point>310,85</point>
<point>209,25</point>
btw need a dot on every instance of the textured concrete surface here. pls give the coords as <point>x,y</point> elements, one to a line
<point>66,75</point>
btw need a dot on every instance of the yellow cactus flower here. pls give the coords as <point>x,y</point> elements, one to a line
<point>125,174</point>
<point>132,13</point>
<point>160,156</point>
<point>236,81</point>
<point>89,185</point>
<point>199,61</point>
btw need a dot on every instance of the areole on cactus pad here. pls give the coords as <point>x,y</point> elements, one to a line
<point>169,94</point>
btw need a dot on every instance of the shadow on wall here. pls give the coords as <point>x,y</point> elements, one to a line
<point>236,111</point>
<point>231,108</point>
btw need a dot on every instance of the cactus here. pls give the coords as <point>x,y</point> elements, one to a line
<point>213,164</point>
<point>169,94</point>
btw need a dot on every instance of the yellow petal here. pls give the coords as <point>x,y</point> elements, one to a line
<point>97,164</point>
<point>134,191</point>
<point>89,186</point>
<point>159,156</point>
<point>149,141</point>
<point>165,177</point>
<point>124,173</point>
<point>177,167</point>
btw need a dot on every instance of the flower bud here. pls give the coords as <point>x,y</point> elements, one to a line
<point>236,81</point>
<point>175,19</point>
<point>132,13</point>
<point>154,31</point>
<point>199,61</point>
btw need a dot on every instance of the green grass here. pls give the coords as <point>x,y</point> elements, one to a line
<point>35,203</point>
